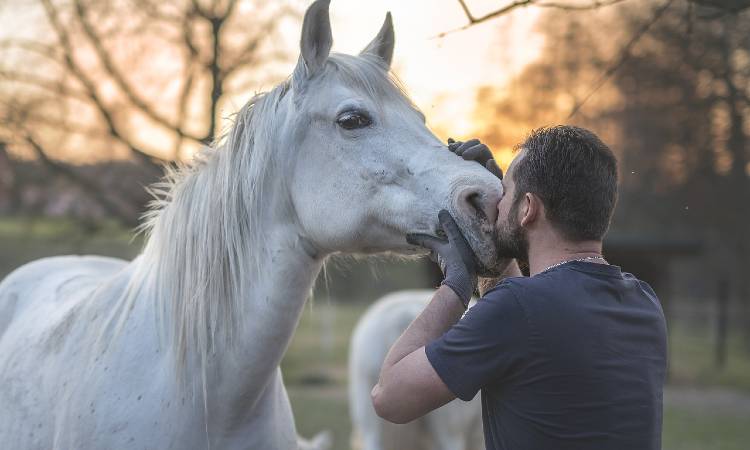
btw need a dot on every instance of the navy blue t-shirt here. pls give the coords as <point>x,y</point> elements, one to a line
<point>572,358</point>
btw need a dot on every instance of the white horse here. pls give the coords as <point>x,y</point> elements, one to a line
<point>180,348</point>
<point>455,426</point>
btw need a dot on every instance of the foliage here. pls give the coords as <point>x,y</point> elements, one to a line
<point>676,112</point>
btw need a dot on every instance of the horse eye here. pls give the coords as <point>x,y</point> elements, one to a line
<point>353,120</point>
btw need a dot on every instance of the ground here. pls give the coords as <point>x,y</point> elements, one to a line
<point>705,408</point>
<point>708,414</point>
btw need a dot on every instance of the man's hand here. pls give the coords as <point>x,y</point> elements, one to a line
<point>473,150</point>
<point>454,255</point>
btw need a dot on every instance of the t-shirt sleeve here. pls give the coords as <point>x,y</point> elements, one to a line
<point>488,345</point>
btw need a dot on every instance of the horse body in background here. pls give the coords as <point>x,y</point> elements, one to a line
<point>180,348</point>
<point>455,426</point>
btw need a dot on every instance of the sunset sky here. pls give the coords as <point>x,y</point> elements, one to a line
<point>441,74</point>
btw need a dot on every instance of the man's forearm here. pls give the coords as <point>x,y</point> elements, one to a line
<point>443,311</point>
<point>408,386</point>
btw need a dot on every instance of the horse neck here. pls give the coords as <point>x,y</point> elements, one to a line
<point>229,286</point>
<point>239,373</point>
<point>278,293</point>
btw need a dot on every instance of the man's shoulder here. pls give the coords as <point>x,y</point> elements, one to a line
<point>504,288</point>
<point>510,292</point>
<point>516,285</point>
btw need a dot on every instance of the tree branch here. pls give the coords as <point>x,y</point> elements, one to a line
<point>182,106</point>
<point>624,55</point>
<point>594,4</point>
<point>90,88</point>
<point>155,13</point>
<point>90,188</point>
<point>215,77</point>
<point>64,125</point>
<point>54,87</point>
<point>44,50</point>
<point>252,44</point>
<point>119,79</point>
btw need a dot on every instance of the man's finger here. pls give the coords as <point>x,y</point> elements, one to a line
<point>492,166</point>
<point>466,145</point>
<point>449,225</point>
<point>424,240</point>
<point>479,152</point>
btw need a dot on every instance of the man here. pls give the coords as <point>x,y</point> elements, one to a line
<point>571,357</point>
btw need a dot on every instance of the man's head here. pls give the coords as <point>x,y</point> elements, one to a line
<point>564,179</point>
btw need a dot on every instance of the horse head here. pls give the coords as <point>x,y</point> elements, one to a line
<point>367,170</point>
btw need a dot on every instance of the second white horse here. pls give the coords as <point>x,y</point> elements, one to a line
<point>455,426</point>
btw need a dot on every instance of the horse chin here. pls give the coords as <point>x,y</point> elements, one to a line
<point>489,265</point>
<point>494,268</point>
<point>480,235</point>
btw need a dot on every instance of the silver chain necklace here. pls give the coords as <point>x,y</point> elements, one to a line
<point>588,258</point>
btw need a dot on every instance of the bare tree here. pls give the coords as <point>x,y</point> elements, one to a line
<point>139,79</point>
<point>719,6</point>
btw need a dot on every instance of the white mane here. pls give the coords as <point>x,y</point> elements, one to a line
<point>200,228</point>
<point>203,238</point>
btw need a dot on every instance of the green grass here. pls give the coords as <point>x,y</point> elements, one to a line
<point>318,409</point>
<point>315,367</point>
<point>26,239</point>
<point>688,429</point>
<point>318,353</point>
<point>315,371</point>
<point>692,359</point>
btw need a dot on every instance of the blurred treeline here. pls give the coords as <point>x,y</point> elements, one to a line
<point>667,85</point>
<point>84,83</point>
<point>95,96</point>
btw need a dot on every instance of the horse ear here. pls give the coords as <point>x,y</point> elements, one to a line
<point>382,45</point>
<point>316,41</point>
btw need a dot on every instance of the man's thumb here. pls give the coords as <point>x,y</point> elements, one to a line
<point>423,240</point>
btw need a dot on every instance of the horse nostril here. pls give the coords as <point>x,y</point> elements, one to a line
<point>479,204</point>
<point>474,200</point>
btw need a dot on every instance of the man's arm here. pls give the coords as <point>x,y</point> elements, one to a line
<point>409,387</point>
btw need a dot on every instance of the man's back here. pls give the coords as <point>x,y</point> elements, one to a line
<point>572,358</point>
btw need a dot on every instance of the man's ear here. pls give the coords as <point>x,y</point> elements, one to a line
<point>531,209</point>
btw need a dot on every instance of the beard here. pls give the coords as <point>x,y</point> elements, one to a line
<point>511,240</point>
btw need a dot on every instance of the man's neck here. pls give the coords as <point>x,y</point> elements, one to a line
<point>549,252</point>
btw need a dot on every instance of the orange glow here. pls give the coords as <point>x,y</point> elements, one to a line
<point>442,75</point>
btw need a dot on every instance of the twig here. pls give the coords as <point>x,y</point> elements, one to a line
<point>91,189</point>
<point>89,86</point>
<point>594,4</point>
<point>116,75</point>
<point>624,56</point>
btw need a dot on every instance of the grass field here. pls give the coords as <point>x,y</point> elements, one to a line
<point>711,413</point>
<point>705,409</point>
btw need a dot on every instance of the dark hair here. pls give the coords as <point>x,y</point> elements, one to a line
<point>574,174</point>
